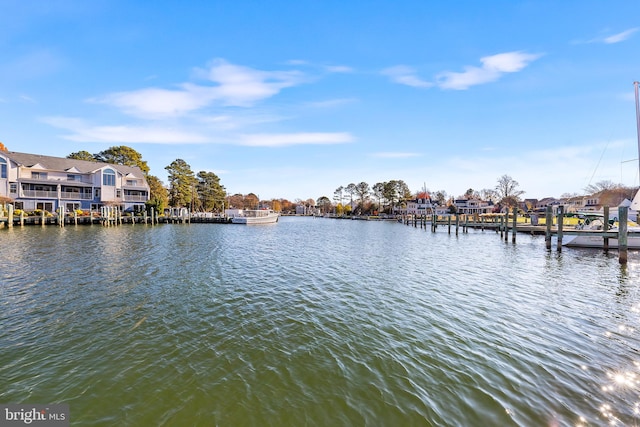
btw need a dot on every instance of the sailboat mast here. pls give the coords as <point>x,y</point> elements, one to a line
<point>635,84</point>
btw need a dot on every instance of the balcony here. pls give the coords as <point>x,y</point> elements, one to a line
<point>75,196</point>
<point>135,198</point>
<point>40,194</point>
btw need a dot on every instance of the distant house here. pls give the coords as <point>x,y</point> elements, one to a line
<point>473,206</point>
<point>419,206</point>
<point>614,198</point>
<point>34,181</point>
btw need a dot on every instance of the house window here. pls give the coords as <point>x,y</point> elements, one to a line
<point>96,193</point>
<point>109,177</point>
<point>38,175</point>
<point>13,188</point>
<point>72,177</point>
<point>3,168</point>
<point>118,193</point>
<point>131,182</point>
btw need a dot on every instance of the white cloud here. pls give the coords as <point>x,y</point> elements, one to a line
<point>331,102</point>
<point>286,139</point>
<point>84,132</point>
<point>617,38</point>
<point>339,69</point>
<point>405,75</point>
<point>395,155</point>
<point>243,86</point>
<point>234,85</point>
<point>493,67</point>
<point>157,103</point>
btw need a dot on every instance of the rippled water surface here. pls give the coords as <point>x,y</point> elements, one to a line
<point>316,322</point>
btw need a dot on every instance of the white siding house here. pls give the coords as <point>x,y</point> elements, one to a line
<point>33,182</point>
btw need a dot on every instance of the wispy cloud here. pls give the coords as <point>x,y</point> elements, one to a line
<point>620,37</point>
<point>303,138</point>
<point>234,86</point>
<point>339,69</point>
<point>394,155</point>
<point>493,67</point>
<point>609,39</point>
<point>330,103</point>
<point>79,130</point>
<point>406,76</point>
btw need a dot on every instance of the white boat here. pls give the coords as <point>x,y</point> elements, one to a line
<point>256,216</point>
<point>595,223</point>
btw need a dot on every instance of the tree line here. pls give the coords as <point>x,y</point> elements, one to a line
<point>385,197</point>
<point>203,191</point>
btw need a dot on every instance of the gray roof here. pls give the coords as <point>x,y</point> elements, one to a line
<point>64,164</point>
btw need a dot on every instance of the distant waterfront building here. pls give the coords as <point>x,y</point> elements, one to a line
<point>473,206</point>
<point>34,181</point>
<point>420,206</point>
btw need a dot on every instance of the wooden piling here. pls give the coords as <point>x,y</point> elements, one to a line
<point>623,215</point>
<point>515,224</point>
<point>560,225</point>
<point>548,223</point>
<point>605,228</point>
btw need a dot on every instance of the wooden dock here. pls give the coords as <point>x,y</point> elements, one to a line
<point>505,223</point>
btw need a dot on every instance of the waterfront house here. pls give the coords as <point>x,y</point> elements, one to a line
<point>473,206</point>
<point>614,198</point>
<point>47,183</point>
<point>420,206</point>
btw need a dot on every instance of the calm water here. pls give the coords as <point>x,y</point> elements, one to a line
<point>316,322</point>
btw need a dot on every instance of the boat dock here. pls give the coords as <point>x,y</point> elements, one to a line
<point>554,227</point>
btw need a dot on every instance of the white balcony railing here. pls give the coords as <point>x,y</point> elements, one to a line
<point>76,196</point>
<point>135,198</point>
<point>40,194</point>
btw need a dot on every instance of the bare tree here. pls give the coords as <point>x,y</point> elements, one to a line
<point>507,191</point>
<point>601,186</point>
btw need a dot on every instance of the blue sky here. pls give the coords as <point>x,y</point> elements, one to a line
<point>292,99</point>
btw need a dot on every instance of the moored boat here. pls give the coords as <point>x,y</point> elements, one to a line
<point>256,216</point>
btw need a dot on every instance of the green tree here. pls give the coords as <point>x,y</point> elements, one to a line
<point>362,190</point>
<point>158,195</point>
<point>82,155</point>
<point>182,183</point>
<point>210,192</point>
<point>396,191</point>
<point>324,203</point>
<point>337,195</point>
<point>469,194</point>
<point>351,189</point>
<point>440,197</point>
<point>378,192</point>
<point>123,155</point>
